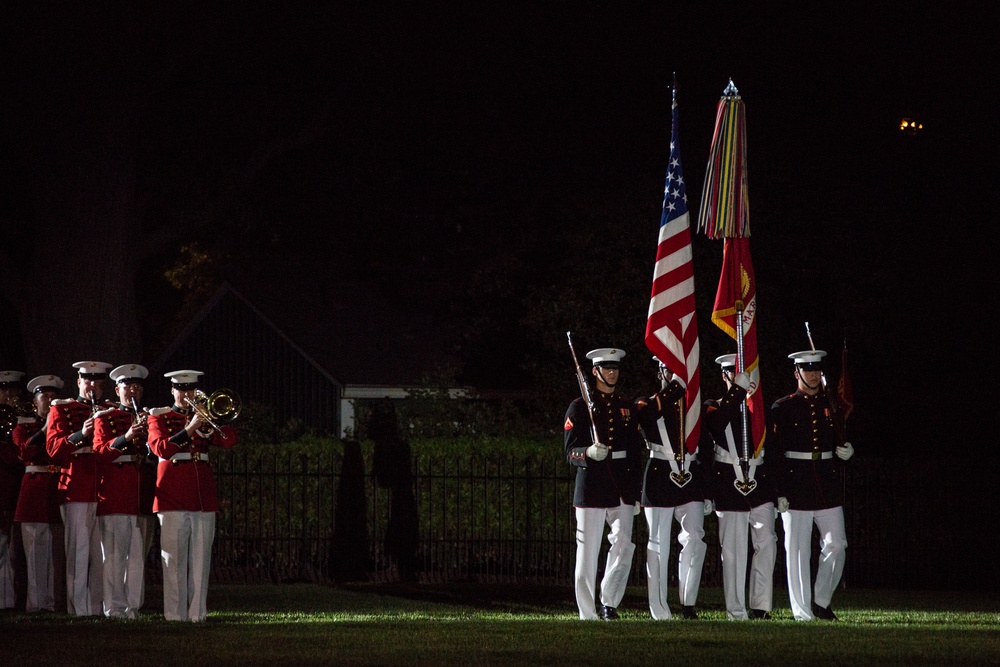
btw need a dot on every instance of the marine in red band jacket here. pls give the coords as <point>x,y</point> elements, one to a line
<point>39,502</point>
<point>186,496</point>
<point>10,463</point>
<point>69,441</point>
<point>40,495</point>
<point>120,489</point>
<point>185,482</point>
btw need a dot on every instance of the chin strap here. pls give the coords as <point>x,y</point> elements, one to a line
<point>803,378</point>
<point>600,374</point>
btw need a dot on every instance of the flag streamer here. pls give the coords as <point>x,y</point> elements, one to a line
<point>725,209</point>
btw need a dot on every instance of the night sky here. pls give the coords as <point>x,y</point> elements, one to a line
<point>442,138</point>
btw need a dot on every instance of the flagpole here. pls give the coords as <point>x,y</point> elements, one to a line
<point>725,214</point>
<point>745,459</point>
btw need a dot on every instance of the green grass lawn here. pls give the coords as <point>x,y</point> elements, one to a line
<point>469,624</point>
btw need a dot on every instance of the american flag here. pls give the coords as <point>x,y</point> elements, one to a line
<point>671,327</point>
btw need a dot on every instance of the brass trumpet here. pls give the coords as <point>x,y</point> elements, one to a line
<point>221,407</point>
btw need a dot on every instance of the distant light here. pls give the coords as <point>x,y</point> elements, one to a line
<point>910,125</point>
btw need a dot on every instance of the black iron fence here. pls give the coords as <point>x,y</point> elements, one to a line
<point>498,519</point>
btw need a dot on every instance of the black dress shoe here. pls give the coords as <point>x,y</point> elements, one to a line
<point>608,613</point>
<point>759,615</point>
<point>825,613</point>
<point>687,611</point>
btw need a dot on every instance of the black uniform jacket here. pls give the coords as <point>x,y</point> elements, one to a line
<point>718,417</point>
<point>618,478</point>
<point>658,489</point>
<point>804,425</point>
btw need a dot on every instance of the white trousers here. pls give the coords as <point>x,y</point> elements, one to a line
<point>186,550</point>
<point>590,523</point>
<point>147,531</point>
<point>124,565</point>
<point>37,538</point>
<point>8,596</point>
<point>691,518</point>
<point>84,559</point>
<point>798,549</point>
<point>735,529</point>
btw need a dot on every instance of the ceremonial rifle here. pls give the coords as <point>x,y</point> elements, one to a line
<point>584,389</point>
<point>838,422</point>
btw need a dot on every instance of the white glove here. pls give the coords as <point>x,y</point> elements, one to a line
<point>845,451</point>
<point>742,380</point>
<point>597,451</point>
<point>782,504</point>
<point>637,509</point>
<point>709,506</point>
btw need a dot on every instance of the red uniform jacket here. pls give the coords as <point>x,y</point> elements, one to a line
<point>184,485</point>
<point>40,495</point>
<point>121,487</point>
<point>73,452</point>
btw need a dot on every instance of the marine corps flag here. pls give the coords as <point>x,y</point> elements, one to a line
<point>737,296</point>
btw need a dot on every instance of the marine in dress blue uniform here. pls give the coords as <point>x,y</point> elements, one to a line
<point>608,484</point>
<point>744,502</point>
<point>674,489</point>
<point>809,454</point>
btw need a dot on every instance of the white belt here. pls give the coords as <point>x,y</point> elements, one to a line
<point>808,456</point>
<point>665,453</point>
<point>127,458</point>
<point>722,456</point>
<point>83,450</point>
<point>188,456</point>
<point>619,454</point>
<point>47,469</point>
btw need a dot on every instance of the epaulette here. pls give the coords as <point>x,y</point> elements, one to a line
<point>783,399</point>
<point>62,401</point>
<point>26,420</point>
<point>155,412</point>
<point>104,412</point>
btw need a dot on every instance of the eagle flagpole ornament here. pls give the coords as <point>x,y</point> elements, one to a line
<point>725,214</point>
